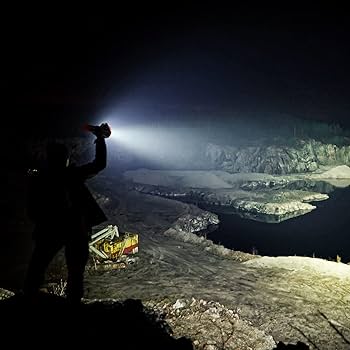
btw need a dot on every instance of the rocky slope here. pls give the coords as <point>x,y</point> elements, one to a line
<point>257,196</point>
<point>304,156</point>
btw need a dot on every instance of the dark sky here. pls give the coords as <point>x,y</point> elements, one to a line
<point>69,68</point>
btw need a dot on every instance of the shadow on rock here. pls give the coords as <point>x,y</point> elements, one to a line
<point>298,346</point>
<point>50,320</point>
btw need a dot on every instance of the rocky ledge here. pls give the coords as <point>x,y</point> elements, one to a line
<point>258,197</point>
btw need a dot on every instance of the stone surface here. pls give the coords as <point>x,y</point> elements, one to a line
<point>286,304</point>
<point>304,156</point>
<point>256,196</point>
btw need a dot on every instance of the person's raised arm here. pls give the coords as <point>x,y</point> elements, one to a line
<point>99,163</point>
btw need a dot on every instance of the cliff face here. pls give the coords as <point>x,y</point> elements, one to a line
<point>305,156</point>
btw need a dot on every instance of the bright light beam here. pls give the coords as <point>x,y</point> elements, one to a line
<point>163,146</point>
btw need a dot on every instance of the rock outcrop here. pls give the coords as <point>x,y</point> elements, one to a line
<point>200,222</point>
<point>304,156</point>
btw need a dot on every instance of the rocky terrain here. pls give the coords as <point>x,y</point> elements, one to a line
<point>219,298</point>
<point>301,157</point>
<point>216,297</point>
<point>257,196</point>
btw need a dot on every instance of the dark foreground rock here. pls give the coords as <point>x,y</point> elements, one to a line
<point>51,321</point>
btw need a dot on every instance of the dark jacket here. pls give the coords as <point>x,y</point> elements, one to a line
<point>56,196</point>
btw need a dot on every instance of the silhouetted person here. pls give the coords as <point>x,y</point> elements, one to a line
<point>64,212</point>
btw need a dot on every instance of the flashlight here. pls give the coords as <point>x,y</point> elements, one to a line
<point>102,130</point>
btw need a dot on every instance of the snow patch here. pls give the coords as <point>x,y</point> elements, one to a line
<point>303,264</point>
<point>338,172</point>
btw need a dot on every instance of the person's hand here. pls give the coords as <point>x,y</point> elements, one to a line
<point>104,130</point>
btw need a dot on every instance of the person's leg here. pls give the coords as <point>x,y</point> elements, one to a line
<point>77,253</point>
<point>44,251</point>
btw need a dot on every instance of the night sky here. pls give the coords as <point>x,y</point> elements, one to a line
<point>64,69</point>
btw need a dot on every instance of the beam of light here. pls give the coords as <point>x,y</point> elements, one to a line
<point>160,146</point>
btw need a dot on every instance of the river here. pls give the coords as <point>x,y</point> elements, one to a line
<point>323,233</point>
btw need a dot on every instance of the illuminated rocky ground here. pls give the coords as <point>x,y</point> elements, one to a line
<point>288,298</point>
